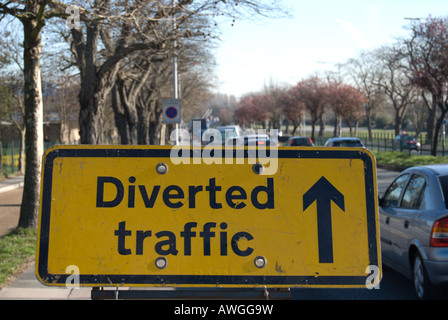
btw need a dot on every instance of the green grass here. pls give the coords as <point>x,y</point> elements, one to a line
<point>403,159</point>
<point>16,248</point>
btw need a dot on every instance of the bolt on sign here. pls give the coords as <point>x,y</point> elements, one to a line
<point>131,216</point>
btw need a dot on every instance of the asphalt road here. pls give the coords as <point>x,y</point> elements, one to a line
<point>392,287</point>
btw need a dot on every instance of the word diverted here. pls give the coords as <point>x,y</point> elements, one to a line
<point>172,195</point>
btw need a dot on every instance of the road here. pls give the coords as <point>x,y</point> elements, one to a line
<point>392,287</point>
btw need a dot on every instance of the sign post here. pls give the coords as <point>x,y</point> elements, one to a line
<point>131,216</point>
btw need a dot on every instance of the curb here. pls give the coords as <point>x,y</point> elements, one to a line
<point>391,167</point>
<point>11,184</point>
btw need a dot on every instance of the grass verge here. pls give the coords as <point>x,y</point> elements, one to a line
<point>403,159</point>
<point>16,248</point>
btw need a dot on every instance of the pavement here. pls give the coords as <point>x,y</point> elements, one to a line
<point>25,285</point>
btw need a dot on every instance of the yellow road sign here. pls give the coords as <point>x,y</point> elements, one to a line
<point>131,216</point>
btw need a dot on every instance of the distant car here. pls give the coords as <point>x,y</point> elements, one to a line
<point>259,140</point>
<point>228,132</point>
<point>414,227</point>
<point>254,140</point>
<point>344,142</point>
<point>405,141</point>
<point>300,142</point>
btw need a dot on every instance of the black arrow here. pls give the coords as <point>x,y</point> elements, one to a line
<point>323,192</point>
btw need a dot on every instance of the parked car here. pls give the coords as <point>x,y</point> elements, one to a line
<point>300,142</point>
<point>405,141</point>
<point>344,142</point>
<point>414,227</point>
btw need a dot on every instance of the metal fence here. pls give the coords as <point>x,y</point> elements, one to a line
<point>386,142</point>
<point>9,154</point>
<point>10,157</point>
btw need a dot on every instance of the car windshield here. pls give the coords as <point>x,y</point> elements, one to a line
<point>230,132</point>
<point>444,185</point>
<point>299,141</point>
<point>347,143</point>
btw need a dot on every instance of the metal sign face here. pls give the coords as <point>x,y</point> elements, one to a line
<point>131,216</point>
<point>171,111</point>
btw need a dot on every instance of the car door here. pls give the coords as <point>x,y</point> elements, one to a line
<point>388,205</point>
<point>404,222</point>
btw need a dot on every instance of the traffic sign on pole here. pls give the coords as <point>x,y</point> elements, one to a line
<point>171,111</point>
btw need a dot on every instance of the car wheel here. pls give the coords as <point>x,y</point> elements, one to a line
<point>422,285</point>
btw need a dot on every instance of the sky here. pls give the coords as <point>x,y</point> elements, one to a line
<point>317,36</point>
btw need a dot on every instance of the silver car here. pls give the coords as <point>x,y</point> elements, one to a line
<point>414,227</point>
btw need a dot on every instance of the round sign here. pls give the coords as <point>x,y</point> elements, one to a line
<point>171,112</point>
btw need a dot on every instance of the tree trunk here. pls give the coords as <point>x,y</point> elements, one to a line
<point>369,119</point>
<point>143,125</point>
<point>22,152</point>
<point>156,124</point>
<point>321,125</point>
<point>431,120</point>
<point>91,122</point>
<point>438,126</point>
<point>398,121</point>
<point>435,140</point>
<point>119,116</point>
<point>34,125</point>
<point>336,125</point>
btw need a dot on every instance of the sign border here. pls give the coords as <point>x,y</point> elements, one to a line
<point>98,280</point>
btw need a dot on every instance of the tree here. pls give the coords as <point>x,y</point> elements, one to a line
<point>312,92</point>
<point>365,73</point>
<point>98,68</point>
<point>251,109</point>
<point>395,82</point>
<point>12,110</point>
<point>32,14</point>
<point>293,108</point>
<point>129,87</point>
<point>417,115</point>
<point>427,53</point>
<point>125,27</point>
<point>346,102</point>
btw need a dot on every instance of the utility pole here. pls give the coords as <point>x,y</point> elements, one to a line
<point>175,72</point>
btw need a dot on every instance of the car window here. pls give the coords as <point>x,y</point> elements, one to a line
<point>444,185</point>
<point>393,192</point>
<point>413,195</point>
<point>347,143</point>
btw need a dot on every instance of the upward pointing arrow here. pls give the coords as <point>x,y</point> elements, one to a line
<point>323,192</point>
